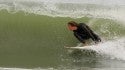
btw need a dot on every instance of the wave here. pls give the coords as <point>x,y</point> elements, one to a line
<point>74,10</point>
<point>112,48</point>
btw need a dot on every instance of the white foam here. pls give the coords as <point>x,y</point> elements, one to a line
<point>113,49</point>
<point>74,10</point>
<point>116,2</point>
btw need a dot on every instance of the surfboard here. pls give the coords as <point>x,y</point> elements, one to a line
<point>82,48</point>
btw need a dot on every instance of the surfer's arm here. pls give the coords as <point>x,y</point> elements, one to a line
<point>93,36</point>
<point>79,38</point>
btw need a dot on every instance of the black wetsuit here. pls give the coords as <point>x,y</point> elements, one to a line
<point>83,33</point>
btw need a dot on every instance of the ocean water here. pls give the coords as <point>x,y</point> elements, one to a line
<point>33,34</point>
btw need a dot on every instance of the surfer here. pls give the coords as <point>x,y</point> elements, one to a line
<point>82,32</point>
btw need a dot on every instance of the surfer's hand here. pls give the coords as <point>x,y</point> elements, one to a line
<point>96,42</point>
<point>85,44</point>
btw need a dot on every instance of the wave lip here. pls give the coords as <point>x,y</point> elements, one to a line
<point>74,10</point>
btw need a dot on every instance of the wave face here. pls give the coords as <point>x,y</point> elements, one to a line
<point>33,34</point>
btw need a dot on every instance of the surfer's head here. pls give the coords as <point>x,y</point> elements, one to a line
<point>72,25</point>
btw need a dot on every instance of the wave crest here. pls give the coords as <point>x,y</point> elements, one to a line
<point>74,10</point>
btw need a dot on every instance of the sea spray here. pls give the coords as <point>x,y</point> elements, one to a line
<point>115,49</point>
